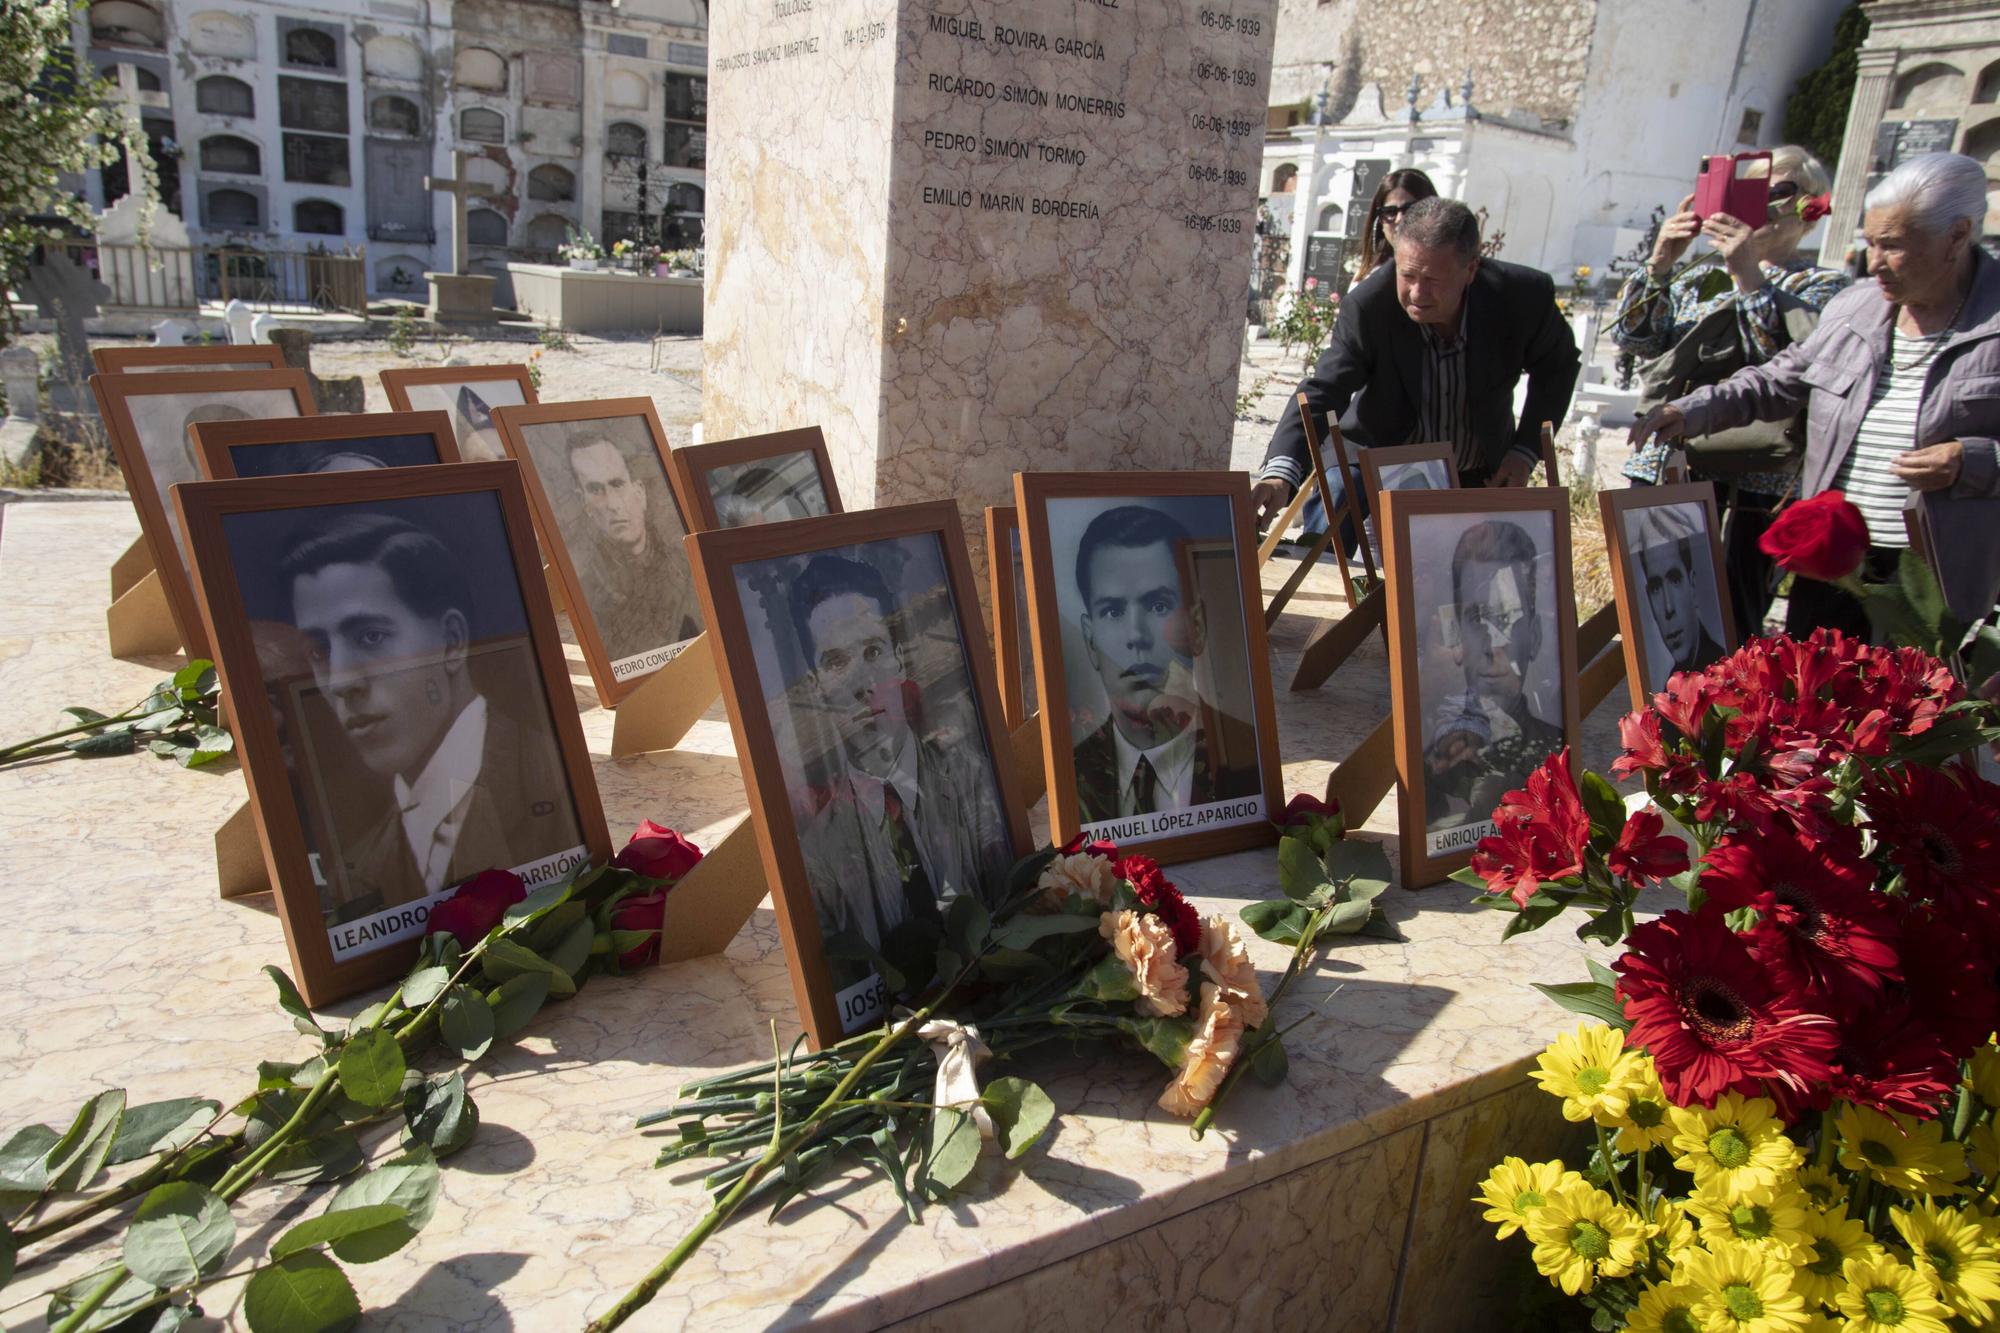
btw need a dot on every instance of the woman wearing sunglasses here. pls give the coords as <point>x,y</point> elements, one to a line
<point>1398,190</point>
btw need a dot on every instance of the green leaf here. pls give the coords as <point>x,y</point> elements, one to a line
<point>424,985</point>
<point>294,1004</point>
<point>160,1127</point>
<point>1363,864</point>
<point>1346,918</point>
<point>329,1228</point>
<point>1270,1064</point>
<point>7,1251</point>
<point>1026,928</point>
<point>1469,877</point>
<point>954,1151</point>
<point>82,714</point>
<point>1601,974</point>
<point>325,1156</point>
<point>438,1114</point>
<point>102,744</point>
<point>180,1234</point>
<point>1591,999</point>
<point>465,1022</point>
<point>538,903</point>
<point>211,744</point>
<point>574,951</point>
<point>515,1003</point>
<point>1983,654</point>
<point>1921,591</point>
<point>1381,928</point>
<point>79,1155</point>
<point>129,1295</point>
<point>24,1165</point>
<point>1949,737</point>
<point>410,1181</point>
<point>1543,908</point>
<point>966,925</point>
<point>1110,980</point>
<point>1603,803</point>
<point>1300,873</point>
<point>306,1293</point>
<point>1020,1111</point>
<point>1279,920</point>
<point>504,960</point>
<point>371,1068</point>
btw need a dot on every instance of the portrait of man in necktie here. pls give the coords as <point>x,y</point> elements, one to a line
<point>1163,647</point>
<point>424,732</point>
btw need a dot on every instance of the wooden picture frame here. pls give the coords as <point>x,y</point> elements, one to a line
<point>225,448</point>
<point>1628,583</point>
<point>1242,756</point>
<point>776,699</point>
<point>695,466</point>
<point>1423,589</point>
<point>435,388</point>
<point>561,530</point>
<point>508,654</point>
<point>137,441</point>
<point>1013,630</point>
<point>213,356</point>
<point>1375,463</point>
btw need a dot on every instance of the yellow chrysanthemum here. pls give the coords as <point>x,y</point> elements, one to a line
<point>1743,1290</point>
<point>1591,1071</point>
<point>1667,1308</point>
<point>1904,1153</point>
<point>1645,1123</point>
<point>1770,1220</point>
<point>1582,1234</point>
<point>1985,1075</point>
<point>1952,1251</point>
<point>1514,1188</point>
<point>1885,1295</point>
<point>1823,1323</point>
<point>1832,1238</point>
<point>1822,1188</point>
<point>1737,1146</point>
<point>1983,1146</point>
<point>1671,1230</point>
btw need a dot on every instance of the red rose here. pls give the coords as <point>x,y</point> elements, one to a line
<point>1811,210</point>
<point>1304,808</point>
<point>477,906</point>
<point>1097,847</point>
<point>658,853</point>
<point>646,911</point>
<point>1822,538</point>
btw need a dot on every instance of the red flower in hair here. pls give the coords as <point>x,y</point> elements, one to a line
<point>1156,892</point>
<point>1644,852</point>
<point>1815,207</point>
<point>1936,827</point>
<point>1825,925</point>
<point>1712,1018</point>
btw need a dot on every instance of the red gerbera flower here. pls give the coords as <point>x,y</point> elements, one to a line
<point>1643,852</point>
<point>1713,1019</point>
<point>1829,928</point>
<point>1934,826</point>
<point>1157,893</point>
<point>1953,991</point>
<point>1891,1061</point>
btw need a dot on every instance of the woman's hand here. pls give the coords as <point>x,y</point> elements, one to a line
<point>1741,248</point>
<point>1663,422</point>
<point>1932,468</point>
<point>1676,234</point>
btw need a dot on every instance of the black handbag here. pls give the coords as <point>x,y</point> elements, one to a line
<point>1710,353</point>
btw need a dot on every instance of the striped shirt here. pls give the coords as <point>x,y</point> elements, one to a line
<point>1442,417</point>
<point>1889,429</point>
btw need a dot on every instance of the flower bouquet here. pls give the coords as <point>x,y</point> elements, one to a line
<point>581,250</point>
<point>1790,1082</point>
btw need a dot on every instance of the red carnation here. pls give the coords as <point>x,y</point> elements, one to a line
<point>1157,893</point>
<point>1644,852</point>
<point>1822,538</point>
<point>478,906</point>
<point>1935,827</point>
<point>647,912</point>
<point>1712,1018</point>
<point>658,853</point>
<point>1827,927</point>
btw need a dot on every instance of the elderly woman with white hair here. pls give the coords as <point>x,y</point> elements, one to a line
<point>1901,386</point>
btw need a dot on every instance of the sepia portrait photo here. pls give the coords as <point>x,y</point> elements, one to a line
<point>1147,632</point>
<point>408,700</point>
<point>598,477</point>
<point>855,660</point>
<point>345,442</point>
<point>468,394</point>
<point>1478,590</point>
<point>1672,596</point>
<point>758,479</point>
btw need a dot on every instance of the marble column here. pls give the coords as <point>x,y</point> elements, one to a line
<point>1875,71</point>
<point>970,237</point>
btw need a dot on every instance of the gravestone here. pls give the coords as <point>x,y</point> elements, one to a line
<point>262,326</point>
<point>158,277</point>
<point>172,333</point>
<point>1012,236</point>
<point>20,373</point>
<point>459,297</point>
<point>67,295</point>
<point>239,318</point>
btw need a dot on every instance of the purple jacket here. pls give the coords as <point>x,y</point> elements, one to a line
<point>1832,375</point>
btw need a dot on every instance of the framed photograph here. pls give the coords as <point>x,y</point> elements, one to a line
<point>1482,658</point>
<point>881,784</point>
<point>612,522</point>
<point>1667,576</point>
<point>1407,467</point>
<point>419,728</point>
<point>149,419</point>
<point>1013,629</point>
<point>1154,675</point>
<point>757,479</point>
<point>344,442</point>
<point>216,356</point>
<point>468,394</point>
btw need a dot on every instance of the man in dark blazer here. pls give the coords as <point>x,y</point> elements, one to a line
<point>1429,350</point>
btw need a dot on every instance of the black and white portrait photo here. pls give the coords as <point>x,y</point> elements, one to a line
<point>608,492</point>
<point>470,404</point>
<point>359,454</point>
<point>1488,659</point>
<point>862,668</point>
<point>767,490</point>
<point>411,715</point>
<point>1669,558</point>
<point>160,428</point>
<point>1155,659</point>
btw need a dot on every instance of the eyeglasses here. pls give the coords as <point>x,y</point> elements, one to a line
<point>1783,190</point>
<point>1390,212</point>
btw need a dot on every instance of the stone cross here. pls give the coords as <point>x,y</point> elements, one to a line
<point>68,295</point>
<point>460,189</point>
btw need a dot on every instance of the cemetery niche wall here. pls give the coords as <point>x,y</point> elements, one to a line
<point>970,239</point>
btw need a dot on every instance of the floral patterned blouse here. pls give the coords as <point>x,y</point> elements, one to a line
<point>1652,317</point>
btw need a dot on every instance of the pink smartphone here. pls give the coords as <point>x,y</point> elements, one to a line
<point>1738,184</point>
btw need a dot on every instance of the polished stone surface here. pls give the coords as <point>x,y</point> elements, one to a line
<point>126,969</point>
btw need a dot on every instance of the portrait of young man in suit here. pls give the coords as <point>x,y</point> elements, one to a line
<point>1675,564</point>
<point>627,543</point>
<point>1161,747</point>
<point>908,823</point>
<point>386,616</point>
<point>1484,741</point>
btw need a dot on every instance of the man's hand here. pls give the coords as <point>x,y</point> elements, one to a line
<point>1270,496</point>
<point>1931,468</point>
<point>1664,422</point>
<point>1514,470</point>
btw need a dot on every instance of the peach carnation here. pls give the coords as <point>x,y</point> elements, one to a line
<point>1144,943</point>
<point>1209,1056</point>
<point>1082,873</point>
<point>1226,962</point>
